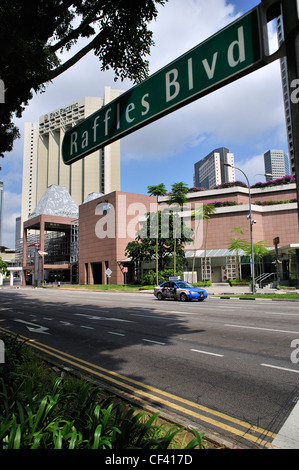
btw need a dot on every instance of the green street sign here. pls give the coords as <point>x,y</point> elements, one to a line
<point>233,52</point>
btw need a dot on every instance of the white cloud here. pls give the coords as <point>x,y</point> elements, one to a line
<point>242,112</point>
<point>253,169</point>
<point>182,25</point>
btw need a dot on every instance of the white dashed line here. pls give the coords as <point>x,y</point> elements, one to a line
<point>151,341</point>
<point>206,352</point>
<point>263,329</point>
<point>281,368</point>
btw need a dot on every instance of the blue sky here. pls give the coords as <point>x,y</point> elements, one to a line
<point>246,116</point>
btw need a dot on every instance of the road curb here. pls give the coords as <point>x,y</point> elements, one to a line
<point>236,298</point>
<point>258,298</point>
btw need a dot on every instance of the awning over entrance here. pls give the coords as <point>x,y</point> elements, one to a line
<point>284,249</point>
<point>218,253</point>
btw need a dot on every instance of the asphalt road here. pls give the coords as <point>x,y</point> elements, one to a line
<point>227,367</point>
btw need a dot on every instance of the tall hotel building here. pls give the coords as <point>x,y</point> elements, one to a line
<point>43,166</point>
<point>211,171</point>
<point>286,96</point>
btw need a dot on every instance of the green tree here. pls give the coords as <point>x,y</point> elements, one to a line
<point>178,196</point>
<point>259,251</point>
<point>236,244</point>
<point>143,248</point>
<point>34,32</point>
<point>158,190</point>
<point>3,267</point>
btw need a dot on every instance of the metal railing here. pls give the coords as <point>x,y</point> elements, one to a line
<point>262,277</point>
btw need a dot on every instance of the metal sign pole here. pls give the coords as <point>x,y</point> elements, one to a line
<point>290,12</point>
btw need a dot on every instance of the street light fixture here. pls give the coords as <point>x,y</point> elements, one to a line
<point>251,223</point>
<point>264,174</point>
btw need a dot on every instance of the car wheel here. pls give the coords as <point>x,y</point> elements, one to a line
<point>159,296</point>
<point>183,297</point>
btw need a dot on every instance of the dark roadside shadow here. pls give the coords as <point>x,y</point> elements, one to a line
<point>136,342</point>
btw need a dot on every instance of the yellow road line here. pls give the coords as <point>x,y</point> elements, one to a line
<point>89,367</point>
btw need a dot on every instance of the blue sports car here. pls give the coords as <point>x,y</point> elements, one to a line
<point>179,290</point>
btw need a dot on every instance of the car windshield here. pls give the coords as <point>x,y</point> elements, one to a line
<point>184,285</point>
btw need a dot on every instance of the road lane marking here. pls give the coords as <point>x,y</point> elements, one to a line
<point>93,309</point>
<point>34,327</point>
<point>281,314</point>
<point>95,317</point>
<point>115,333</point>
<point>87,327</point>
<point>181,313</point>
<point>281,368</point>
<point>93,369</point>
<point>263,329</point>
<point>206,352</point>
<point>151,341</point>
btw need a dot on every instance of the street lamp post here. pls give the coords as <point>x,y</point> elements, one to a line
<point>251,223</point>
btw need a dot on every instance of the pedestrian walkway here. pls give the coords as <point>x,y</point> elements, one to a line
<point>288,436</point>
<point>223,288</point>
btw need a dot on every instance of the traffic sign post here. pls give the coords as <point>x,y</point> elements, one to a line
<point>290,17</point>
<point>125,270</point>
<point>276,243</point>
<point>233,52</point>
<point>108,274</point>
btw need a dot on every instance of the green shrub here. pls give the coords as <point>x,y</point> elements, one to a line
<point>149,278</point>
<point>207,283</point>
<point>239,282</point>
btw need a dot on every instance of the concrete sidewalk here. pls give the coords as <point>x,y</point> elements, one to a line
<point>223,288</point>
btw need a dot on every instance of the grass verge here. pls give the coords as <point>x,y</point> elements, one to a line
<point>105,287</point>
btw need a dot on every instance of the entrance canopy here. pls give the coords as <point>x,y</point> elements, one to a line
<point>218,253</point>
<point>285,249</point>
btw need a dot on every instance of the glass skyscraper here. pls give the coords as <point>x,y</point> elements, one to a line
<point>277,164</point>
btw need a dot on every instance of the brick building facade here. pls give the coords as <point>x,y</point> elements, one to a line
<point>116,216</point>
<point>106,224</point>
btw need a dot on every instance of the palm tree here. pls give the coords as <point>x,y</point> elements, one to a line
<point>260,250</point>
<point>177,196</point>
<point>208,210</point>
<point>236,244</point>
<point>158,190</point>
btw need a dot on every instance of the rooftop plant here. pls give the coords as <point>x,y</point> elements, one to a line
<point>287,179</point>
